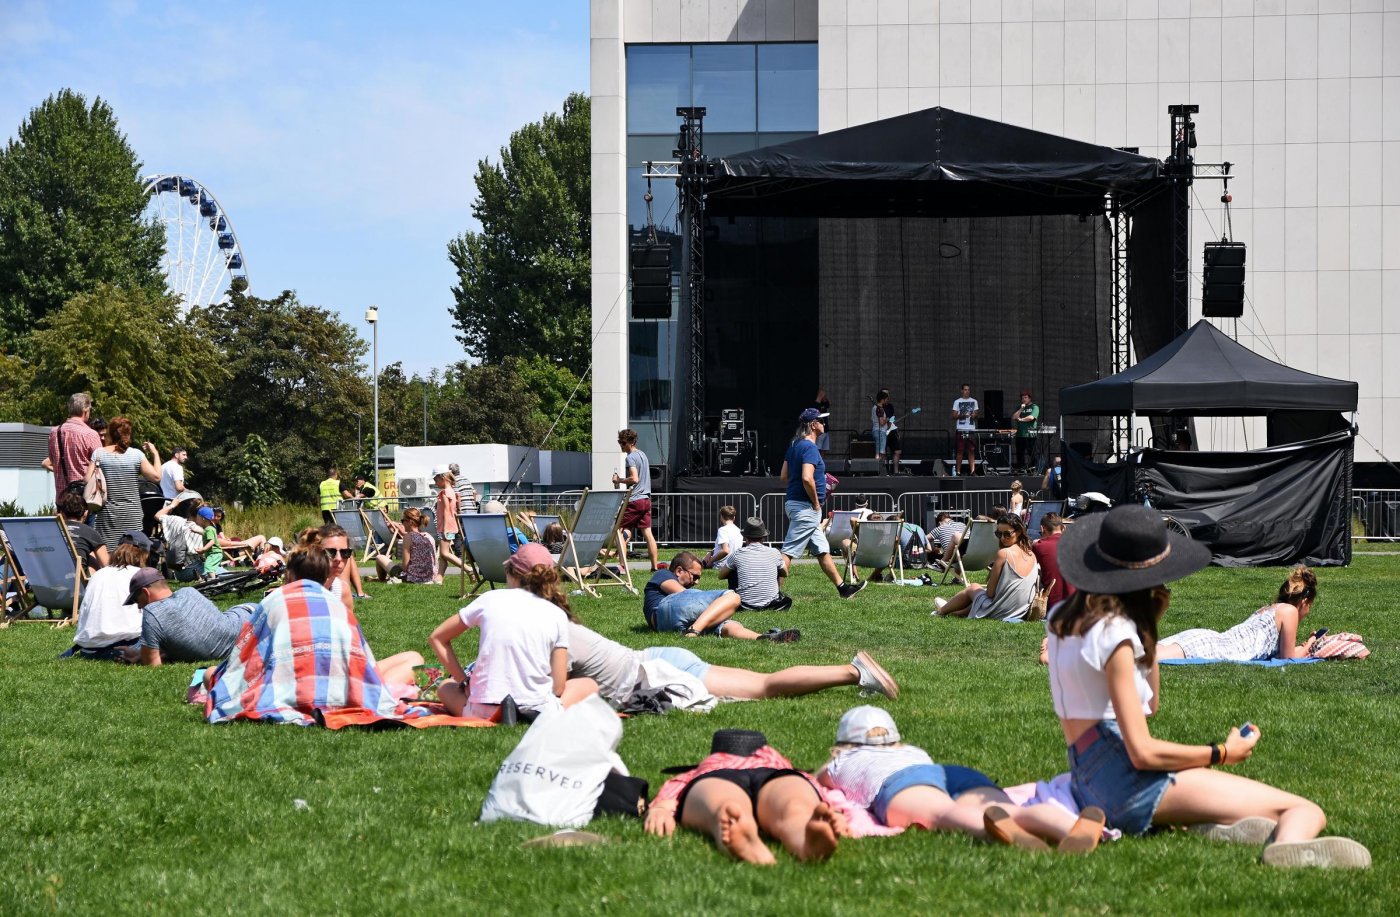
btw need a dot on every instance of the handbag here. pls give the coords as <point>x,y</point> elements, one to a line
<point>555,776</point>
<point>95,489</point>
<point>1040,598</point>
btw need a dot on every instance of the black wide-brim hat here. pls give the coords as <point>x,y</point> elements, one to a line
<point>741,742</point>
<point>1126,549</point>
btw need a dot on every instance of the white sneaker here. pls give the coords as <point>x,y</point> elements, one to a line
<point>873,677</point>
<point>1322,852</point>
<point>1255,829</point>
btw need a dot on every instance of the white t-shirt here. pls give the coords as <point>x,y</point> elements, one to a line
<point>729,534</point>
<point>965,408</point>
<point>1077,682</point>
<point>859,772</point>
<point>171,473</point>
<point>613,666</point>
<point>102,618</point>
<point>519,630</point>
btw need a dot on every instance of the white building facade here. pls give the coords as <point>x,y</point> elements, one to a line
<point>1301,96</point>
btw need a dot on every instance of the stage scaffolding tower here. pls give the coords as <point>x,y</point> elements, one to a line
<point>1122,344</point>
<point>693,169</point>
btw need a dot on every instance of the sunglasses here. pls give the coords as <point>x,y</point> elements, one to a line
<point>342,553</point>
<point>1005,533</point>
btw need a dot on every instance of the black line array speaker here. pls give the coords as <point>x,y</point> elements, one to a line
<point>1222,294</point>
<point>651,281</point>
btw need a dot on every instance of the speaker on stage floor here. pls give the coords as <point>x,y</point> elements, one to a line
<point>997,456</point>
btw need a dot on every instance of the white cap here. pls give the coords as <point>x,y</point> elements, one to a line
<point>276,542</point>
<point>867,725</point>
<point>441,469</point>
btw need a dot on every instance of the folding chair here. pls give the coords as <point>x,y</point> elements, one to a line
<point>875,544</point>
<point>976,551</point>
<point>840,528</point>
<point>42,560</point>
<point>486,541</point>
<point>1039,510</point>
<point>385,535</point>
<point>356,529</point>
<point>595,525</point>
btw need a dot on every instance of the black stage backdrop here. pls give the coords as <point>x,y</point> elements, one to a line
<point>922,305</point>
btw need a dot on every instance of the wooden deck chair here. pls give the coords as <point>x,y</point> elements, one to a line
<point>356,530</point>
<point>595,526</point>
<point>976,551</point>
<point>1039,510</point>
<point>875,544</point>
<point>386,537</point>
<point>43,561</point>
<point>840,528</point>
<point>486,540</point>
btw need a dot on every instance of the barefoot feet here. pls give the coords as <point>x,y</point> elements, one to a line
<point>738,833</point>
<point>822,831</point>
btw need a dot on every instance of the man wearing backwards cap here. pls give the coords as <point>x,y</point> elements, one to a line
<point>182,626</point>
<point>804,474</point>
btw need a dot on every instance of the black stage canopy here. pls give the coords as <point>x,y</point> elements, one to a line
<point>1204,373</point>
<point>981,167</point>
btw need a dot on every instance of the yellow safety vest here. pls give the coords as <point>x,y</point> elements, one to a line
<point>330,493</point>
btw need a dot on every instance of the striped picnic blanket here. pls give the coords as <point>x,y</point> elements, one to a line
<point>301,654</point>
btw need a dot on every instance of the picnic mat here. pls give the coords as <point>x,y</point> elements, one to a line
<point>302,659</point>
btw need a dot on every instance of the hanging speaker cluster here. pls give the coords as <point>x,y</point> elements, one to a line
<point>651,280</point>
<point>1223,293</point>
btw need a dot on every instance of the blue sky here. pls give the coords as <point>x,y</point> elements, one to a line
<point>341,138</point>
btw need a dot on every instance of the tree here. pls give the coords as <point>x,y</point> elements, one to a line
<point>131,350</point>
<point>295,379</point>
<point>560,396</point>
<point>71,203</point>
<point>523,282</point>
<point>254,479</point>
<point>486,404</point>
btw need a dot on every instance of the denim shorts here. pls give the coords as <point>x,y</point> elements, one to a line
<point>680,657</point>
<point>881,437</point>
<point>1101,774</point>
<point>950,778</point>
<point>804,528</point>
<point>679,610</point>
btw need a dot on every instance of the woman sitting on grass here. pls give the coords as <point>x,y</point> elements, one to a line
<point>1010,585</point>
<point>524,647</point>
<point>1104,683</point>
<point>106,623</point>
<point>902,786</point>
<point>743,788</point>
<point>418,553</point>
<point>1269,633</point>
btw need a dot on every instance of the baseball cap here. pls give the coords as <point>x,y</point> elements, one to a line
<point>528,556</point>
<point>867,725</point>
<point>137,538</point>
<point>146,576</point>
<point>811,414</point>
<point>206,513</point>
<point>275,542</point>
<point>441,469</point>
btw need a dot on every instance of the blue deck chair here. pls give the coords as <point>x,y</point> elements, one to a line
<point>486,542</point>
<point>43,562</point>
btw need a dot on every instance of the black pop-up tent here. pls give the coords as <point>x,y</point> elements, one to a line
<point>1288,503</point>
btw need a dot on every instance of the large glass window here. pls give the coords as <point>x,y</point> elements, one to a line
<point>650,368</point>
<point>724,83</point>
<point>787,82</point>
<point>658,80</point>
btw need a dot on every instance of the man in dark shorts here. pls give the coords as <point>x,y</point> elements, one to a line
<point>965,413</point>
<point>638,477</point>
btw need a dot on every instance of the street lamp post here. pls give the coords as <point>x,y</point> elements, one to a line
<point>359,430</point>
<point>372,316</point>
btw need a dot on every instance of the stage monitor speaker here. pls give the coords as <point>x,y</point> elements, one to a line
<point>1222,294</point>
<point>998,456</point>
<point>861,449</point>
<point>651,281</point>
<point>994,405</point>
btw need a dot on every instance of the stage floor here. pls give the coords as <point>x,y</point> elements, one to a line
<point>894,485</point>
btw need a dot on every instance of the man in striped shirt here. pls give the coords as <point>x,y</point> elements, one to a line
<point>72,444</point>
<point>757,569</point>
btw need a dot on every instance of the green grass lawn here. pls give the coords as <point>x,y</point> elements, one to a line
<point>118,798</point>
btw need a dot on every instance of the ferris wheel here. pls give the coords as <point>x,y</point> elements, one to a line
<point>203,256</point>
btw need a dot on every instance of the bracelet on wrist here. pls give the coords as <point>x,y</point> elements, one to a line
<point>1217,754</point>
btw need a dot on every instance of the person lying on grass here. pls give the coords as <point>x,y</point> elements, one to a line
<point>1269,633</point>
<point>902,786</point>
<point>670,603</point>
<point>524,647</point>
<point>181,626</point>
<point>615,669</point>
<point>1104,685</point>
<point>746,788</point>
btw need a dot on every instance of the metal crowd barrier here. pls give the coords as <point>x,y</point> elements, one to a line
<point>1375,515</point>
<point>922,507</point>
<point>691,519</point>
